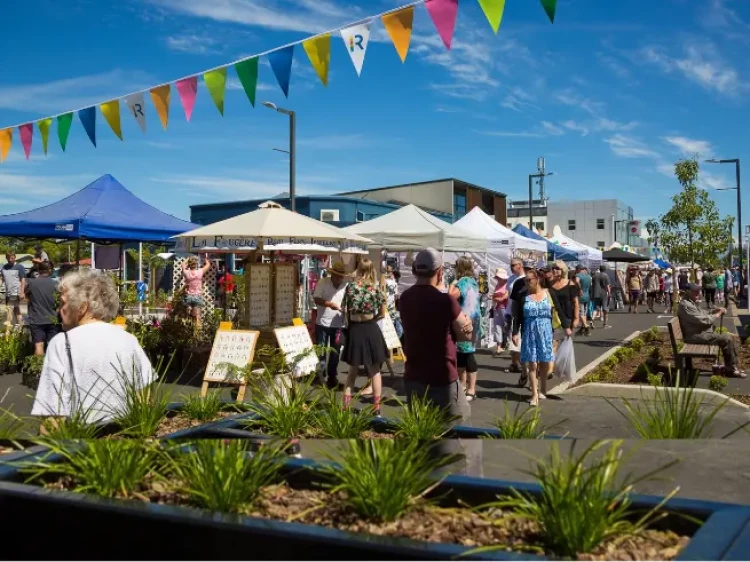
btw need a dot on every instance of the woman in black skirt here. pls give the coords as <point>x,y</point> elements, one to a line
<point>364,342</point>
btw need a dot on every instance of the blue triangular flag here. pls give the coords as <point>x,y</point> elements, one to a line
<point>281,64</point>
<point>88,120</point>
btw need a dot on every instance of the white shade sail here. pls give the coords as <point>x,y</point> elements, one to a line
<point>499,236</point>
<point>271,228</point>
<point>411,228</point>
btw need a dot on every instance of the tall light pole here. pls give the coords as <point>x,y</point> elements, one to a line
<point>531,195</point>
<point>736,162</point>
<point>292,150</point>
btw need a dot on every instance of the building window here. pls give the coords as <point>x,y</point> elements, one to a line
<point>360,217</point>
<point>571,225</point>
<point>488,203</point>
<point>329,215</point>
<point>600,224</point>
<point>459,204</point>
<point>600,244</point>
<point>539,226</point>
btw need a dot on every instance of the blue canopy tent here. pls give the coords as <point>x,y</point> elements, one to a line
<point>104,211</point>
<point>555,251</point>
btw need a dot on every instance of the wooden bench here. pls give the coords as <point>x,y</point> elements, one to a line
<point>684,357</point>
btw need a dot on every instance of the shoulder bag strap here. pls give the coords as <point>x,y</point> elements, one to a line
<point>74,384</point>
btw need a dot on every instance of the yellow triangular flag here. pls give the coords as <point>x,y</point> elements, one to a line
<point>111,112</point>
<point>6,139</point>
<point>44,125</point>
<point>399,25</point>
<point>318,50</point>
<point>160,97</point>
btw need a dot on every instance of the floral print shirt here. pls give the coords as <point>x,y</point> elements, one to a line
<point>364,298</point>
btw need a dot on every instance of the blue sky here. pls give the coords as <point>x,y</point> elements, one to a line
<point>611,94</point>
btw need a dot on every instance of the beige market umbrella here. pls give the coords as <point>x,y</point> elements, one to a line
<point>272,228</point>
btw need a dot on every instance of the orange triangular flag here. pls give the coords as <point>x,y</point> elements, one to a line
<point>6,139</point>
<point>160,97</point>
<point>399,25</point>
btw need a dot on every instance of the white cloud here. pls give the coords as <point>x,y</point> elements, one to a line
<point>700,63</point>
<point>235,187</point>
<point>518,99</point>
<point>617,68</point>
<point>717,15</point>
<point>571,98</point>
<point>72,93</point>
<point>306,16</point>
<point>573,126</point>
<point>628,147</point>
<point>690,147</point>
<point>28,190</point>
<point>194,44</point>
<point>552,129</point>
<point>335,142</point>
<point>707,180</point>
<point>545,129</point>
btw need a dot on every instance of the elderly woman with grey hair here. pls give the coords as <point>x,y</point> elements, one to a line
<point>89,365</point>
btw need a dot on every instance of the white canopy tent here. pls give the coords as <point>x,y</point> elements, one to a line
<point>411,228</point>
<point>588,256</point>
<point>499,236</point>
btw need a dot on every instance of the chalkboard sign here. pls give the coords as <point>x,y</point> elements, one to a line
<point>293,341</point>
<point>389,332</point>
<point>236,347</point>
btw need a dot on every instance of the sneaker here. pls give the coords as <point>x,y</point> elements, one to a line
<point>606,327</point>
<point>542,396</point>
<point>470,397</point>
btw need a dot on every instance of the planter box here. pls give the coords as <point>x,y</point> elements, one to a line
<point>197,534</point>
<point>236,428</point>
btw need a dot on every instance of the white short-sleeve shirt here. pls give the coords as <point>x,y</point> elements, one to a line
<point>325,290</point>
<point>102,355</point>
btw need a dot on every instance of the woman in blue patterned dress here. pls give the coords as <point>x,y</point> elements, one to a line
<point>466,291</point>
<point>532,316</point>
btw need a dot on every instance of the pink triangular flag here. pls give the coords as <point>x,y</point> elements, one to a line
<point>27,133</point>
<point>443,14</point>
<point>188,90</point>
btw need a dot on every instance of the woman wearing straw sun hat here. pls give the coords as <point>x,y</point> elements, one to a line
<point>500,304</point>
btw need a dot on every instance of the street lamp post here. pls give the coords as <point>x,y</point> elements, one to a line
<point>531,196</point>
<point>736,162</point>
<point>292,150</point>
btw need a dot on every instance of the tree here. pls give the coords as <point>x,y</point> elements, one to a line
<point>654,229</point>
<point>692,230</point>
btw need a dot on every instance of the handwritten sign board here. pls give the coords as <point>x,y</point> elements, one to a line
<point>286,293</point>
<point>389,332</point>
<point>293,341</point>
<point>236,347</point>
<point>259,294</point>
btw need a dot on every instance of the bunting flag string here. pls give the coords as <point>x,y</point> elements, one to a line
<point>356,39</point>
<point>443,14</point>
<point>63,128</point>
<point>187,88</point>
<point>26,132</point>
<point>493,11</point>
<point>44,125</point>
<point>216,82</point>
<point>111,112</point>
<point>398,24</point>
<point>6,140</point>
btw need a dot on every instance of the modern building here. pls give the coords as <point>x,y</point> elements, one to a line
<point>518,213</point>
<point>337,210</point>
<point>448,196</point>
<point>597,223</point>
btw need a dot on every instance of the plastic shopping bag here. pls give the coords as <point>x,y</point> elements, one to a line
<point>565,361</point>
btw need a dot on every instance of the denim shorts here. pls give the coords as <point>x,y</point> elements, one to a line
<point>193,300</point>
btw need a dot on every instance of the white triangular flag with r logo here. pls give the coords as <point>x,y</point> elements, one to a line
<point>137,107</point>
<point>355,39</point>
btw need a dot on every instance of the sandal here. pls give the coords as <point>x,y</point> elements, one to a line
<point>523,380</point>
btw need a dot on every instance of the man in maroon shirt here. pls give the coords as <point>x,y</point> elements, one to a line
<point>432,322</point>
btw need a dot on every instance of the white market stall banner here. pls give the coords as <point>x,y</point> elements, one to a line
<point>281,244</point>
<point>295,341</point>
<point>236,347</point>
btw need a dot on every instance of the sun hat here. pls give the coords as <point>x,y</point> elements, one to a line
<point>500,273</point>
<point>337,268</point>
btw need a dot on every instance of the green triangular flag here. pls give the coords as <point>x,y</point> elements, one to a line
<point>493,9</point>
<point>549,7</point>
<point>63,128</point>
<point>216,81</point>
<point>247,72</point>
